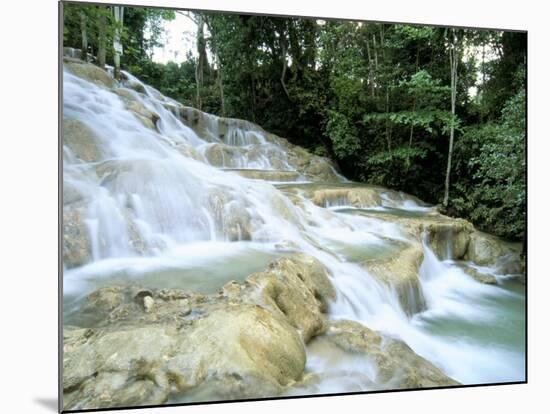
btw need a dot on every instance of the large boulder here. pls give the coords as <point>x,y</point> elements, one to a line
<point>145,345</point>
<point>297,288</point>
<point>485,249</point>
<point>398,366</point>
<point>400,272</point>
<point>246,342</point>
<point>81,140</point>
<point>89,72</point>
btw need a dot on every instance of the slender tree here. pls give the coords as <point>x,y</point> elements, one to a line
<point>102,41</point>
<point>454,56</point>
<point>84,33</point>
<point>118,12</point>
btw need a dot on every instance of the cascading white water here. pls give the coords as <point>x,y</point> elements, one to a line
<point>199,226</point>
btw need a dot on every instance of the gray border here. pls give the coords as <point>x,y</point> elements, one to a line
<point>60,210</point>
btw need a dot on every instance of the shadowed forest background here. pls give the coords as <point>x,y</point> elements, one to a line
<point>383,101</point>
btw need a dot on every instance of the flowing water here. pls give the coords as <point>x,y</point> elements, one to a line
<point>159,214</point>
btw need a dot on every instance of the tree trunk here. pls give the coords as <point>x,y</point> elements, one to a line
<point>117,44</point>
<point>220,84</point>
<point>101,47</point>
<point>375,51</point>
<point>388,133</point>
<point>253,95</point>
<point>371,77</point>
<point>84,32</point>
<point>284,69</point>
<point>411,133</point>
<point>453,58</point>
<point>202,60</point>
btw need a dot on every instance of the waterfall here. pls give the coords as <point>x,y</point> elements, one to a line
<point>159,191</point>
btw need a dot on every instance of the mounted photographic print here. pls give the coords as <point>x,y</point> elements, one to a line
<point>258,207</point>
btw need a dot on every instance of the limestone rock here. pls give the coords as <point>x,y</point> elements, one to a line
<point>230,215</point>
<point>106,368</point>
<point>357,197</point>
<point>476,274</point>
<point>236,222</point>
<point>136,86</point>
<point>268,175</point>
<point>126,94</point>
<point>89,72</point>
<point>447,237</point>
<point>315,168</point>
<point>485,249</point>
<point>258,153</point>
<point>147,117</point>
<point>400,272</point>
<point>298,288</point>
<point>398,365</point>
<point>221,155</point>
<point>231,290</point>
<point>81,140</point>
<point>206,126</point>
<point>352,336</point>
<point>321,169</point>
<point>510,263</point>
<point>449,240</point>
<point>190,152</point>
<point>244,349</point>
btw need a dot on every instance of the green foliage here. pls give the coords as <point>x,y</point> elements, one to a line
<point>492,190</point>
<point>399,155</point>
<point>342,134</point>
